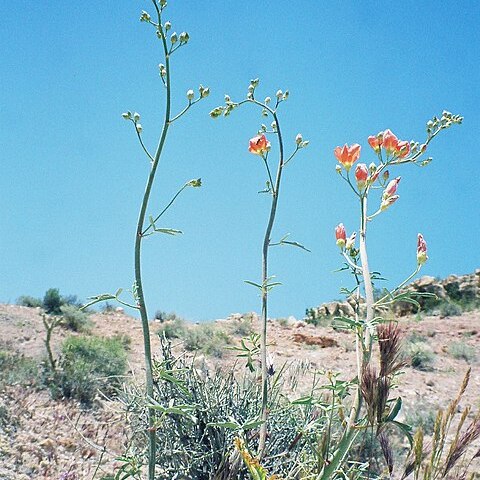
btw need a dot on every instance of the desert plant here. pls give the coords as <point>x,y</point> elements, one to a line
<point>259,145</point>
<point>16,369</point>
<point>147,226</point>
<point>202,412</point>
<point>29,301</point>
<point>419,355</point>
<point>52,301</point>
<point>175,328</point>
<point>371,404</point>
<point>89,364</point>
<point>461,350</point>
<point>74,318</point>
<point>450,309</point>
<point>208,339</point>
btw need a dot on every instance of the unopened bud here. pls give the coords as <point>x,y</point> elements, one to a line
<point>386,175</point>
<point>127,115</point>
<point>267,100</point>
<point>298,139</point>
<point>286,94</point>
<point>174,38</point>
<point>190,94</point>
<point>145,17</point>
<point>279,94</point>
<point>167,26</point>
<point>227,98</point>
<point>196,182</point>
<point>139,127</point>
<point>340,235</point>
<point>216,112</point>
<point>136,116</point>
<point>338,168</point>
<point>184,37</point>
<point>274,126</point>
<point>387,202</point>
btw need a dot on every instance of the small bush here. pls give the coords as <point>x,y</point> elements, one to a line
<point>88,364</point>
<point>419,355</point>
<point>16,369</point>
<point>173,328</point>
<point>75,319</point>
<point>242,327</point>
<point>162,316</point>
<point>449,309</point>
<point>423,415</point>
<point>28,301</point>
<point>461,350</point>
<point>52,301</point>
<point>208,339</point>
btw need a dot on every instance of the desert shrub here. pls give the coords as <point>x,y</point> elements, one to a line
<point>200,413</point>
<point>75,319</point>
<point>450,309</point>
<point>423,415</point>
<point>207,339</point>
<point>313,318</point>
<point>419,355</point>
<point>175,328</point>
<point>28,301</point>
<point>88,364</point>
<point>416,337</point>
<point>16,369</point>
<point>162,316</point>
<point>52,301</point>
<point>242,327</point>
<point>461,350</point>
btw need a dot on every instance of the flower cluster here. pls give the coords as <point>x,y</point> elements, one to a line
<point>390,143</point>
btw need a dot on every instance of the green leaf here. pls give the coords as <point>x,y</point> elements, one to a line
<point>254,284</point>
<point>168,231</point>
<point>253,424</point>
<point>295,244</point>
<point>394,411</point>
<point>406,429</point>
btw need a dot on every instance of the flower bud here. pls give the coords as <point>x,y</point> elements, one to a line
<point>190,94</point>
<point>127,115</point>
<point>136,116</point>
<point>139,127</point>
<point>167,26</point>
<point>279,94</point>
<point>340,235</point>
<point>338,168</point>
<point>388,201</point>
<point>216,112</point>
<point>267,100</point>
<point>184,37</point>
<point>298,139</point>
<point>196,182</point>
<point>274,126</point>
<point>174,38</point>
<point>421,250</point>
<point>386,175</point>
<point>391,188</point>
<point>227,98</point>
<point>145,17</point>
<point>286,95</point>
<point>361,175</point>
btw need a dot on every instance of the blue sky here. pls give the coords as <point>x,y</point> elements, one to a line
<point>73,173</point>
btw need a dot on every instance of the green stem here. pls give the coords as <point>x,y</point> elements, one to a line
<point>138,271</point>
<point>266,244</point>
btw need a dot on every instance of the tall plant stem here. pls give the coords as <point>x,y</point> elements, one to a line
<point>364,351</point>
<point>138,269</point>
<point>263,339</point>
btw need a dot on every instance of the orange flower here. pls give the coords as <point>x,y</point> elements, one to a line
<point>390,141</point>
<point>259,145</point>
<point>421,250</point>
<point>347,156</point>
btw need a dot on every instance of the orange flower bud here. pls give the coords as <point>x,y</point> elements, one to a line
<point>375,142</point>
<point>340,235</point>
<point>361,175</point>
<point>347,156</point>
<point>259,145</point>
<point>421,250</point>
<point>391,188</point>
